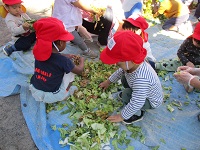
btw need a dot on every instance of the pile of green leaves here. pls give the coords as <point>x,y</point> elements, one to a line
<point>88,109</point>
<point>148,11</point>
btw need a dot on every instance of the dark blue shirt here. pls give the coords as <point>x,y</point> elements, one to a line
<point>48,75</point>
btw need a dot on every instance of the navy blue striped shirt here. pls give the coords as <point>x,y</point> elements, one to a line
<point>145,85</point>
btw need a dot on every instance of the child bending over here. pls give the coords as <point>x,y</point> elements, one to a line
<point>142,86</point>
<point>69,12</point>
<point>20,29</point>
<point>188,53</point>
<point>54,72</point>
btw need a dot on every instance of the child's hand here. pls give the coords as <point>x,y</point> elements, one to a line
<point>115,118</point>
<point>26,26</point>
<point>104,84</point>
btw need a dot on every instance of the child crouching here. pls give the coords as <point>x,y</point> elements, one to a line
<point>142,86</point>
<point>54,72</point>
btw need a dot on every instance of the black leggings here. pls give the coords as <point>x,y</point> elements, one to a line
<point>25,42</point>
<point>103,26</point>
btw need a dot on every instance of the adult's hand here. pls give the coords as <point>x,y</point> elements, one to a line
<point>183,77</point>
<point>191,70</point>
<point>190,64</point>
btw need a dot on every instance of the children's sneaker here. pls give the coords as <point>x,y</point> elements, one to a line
<point>8,50</point>
<point>134,118</point>
<point>90,54</point>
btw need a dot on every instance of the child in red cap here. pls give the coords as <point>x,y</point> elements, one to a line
<point>188,53</point>
<point>142,86</point>
<point>138,25</point>
<point>20,29</point>
<point>54,72</point>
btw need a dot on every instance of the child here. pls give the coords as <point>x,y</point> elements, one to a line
<point>54,72</point>
<point>176,12</point>
<point>69,12</point>
<point>188,53</point>
<point>142,86</point>
<point>138,24</point>
<point>16,22</point>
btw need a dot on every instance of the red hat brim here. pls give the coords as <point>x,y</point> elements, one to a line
<point>106,59</point>
<point>12,2</point>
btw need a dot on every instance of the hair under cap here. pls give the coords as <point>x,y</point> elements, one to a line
<point>47,31</point>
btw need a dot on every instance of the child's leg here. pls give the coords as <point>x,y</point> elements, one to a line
<point>169,24</point>
<point>81,44</point>
<point>25,42</point>
<point>126,96</point>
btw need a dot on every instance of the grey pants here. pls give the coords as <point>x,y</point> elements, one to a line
<point>127,94</point>
<point>79,41</point>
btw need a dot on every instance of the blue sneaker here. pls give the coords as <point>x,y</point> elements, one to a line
<point>8,50</point>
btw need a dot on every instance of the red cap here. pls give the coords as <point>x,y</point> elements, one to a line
<point>196,33</point>
<point>48,30</point>
<point>138,21</point>
<point>124,46</point>
<point>12,2</point>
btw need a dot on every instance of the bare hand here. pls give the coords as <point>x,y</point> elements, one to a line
<point>26,26</point>
<point>104,84</point>
<point>115,118</point>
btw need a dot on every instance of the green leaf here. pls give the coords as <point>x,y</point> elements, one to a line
<point>163,141</point>
<point>130,148</point>
<point>53,127</point>
<point>170,108</point>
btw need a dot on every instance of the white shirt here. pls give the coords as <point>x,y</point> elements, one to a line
<point>69,14</point>
<point>145,85</point>
<point>14,24</point>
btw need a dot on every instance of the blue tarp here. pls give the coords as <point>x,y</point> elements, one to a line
<point>168,130</point>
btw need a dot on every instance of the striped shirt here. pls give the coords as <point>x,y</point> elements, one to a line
<point>145,85</point>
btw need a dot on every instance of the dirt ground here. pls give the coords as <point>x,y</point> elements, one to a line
<point>14,134</point>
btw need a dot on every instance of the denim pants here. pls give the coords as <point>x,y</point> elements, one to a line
<point>25,42</point>
<point>175,21</point>
<point>127,94</point>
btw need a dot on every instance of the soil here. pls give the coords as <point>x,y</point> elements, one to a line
<point>14,134</point>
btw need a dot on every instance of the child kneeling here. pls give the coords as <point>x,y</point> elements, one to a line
<point>54,72</point>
